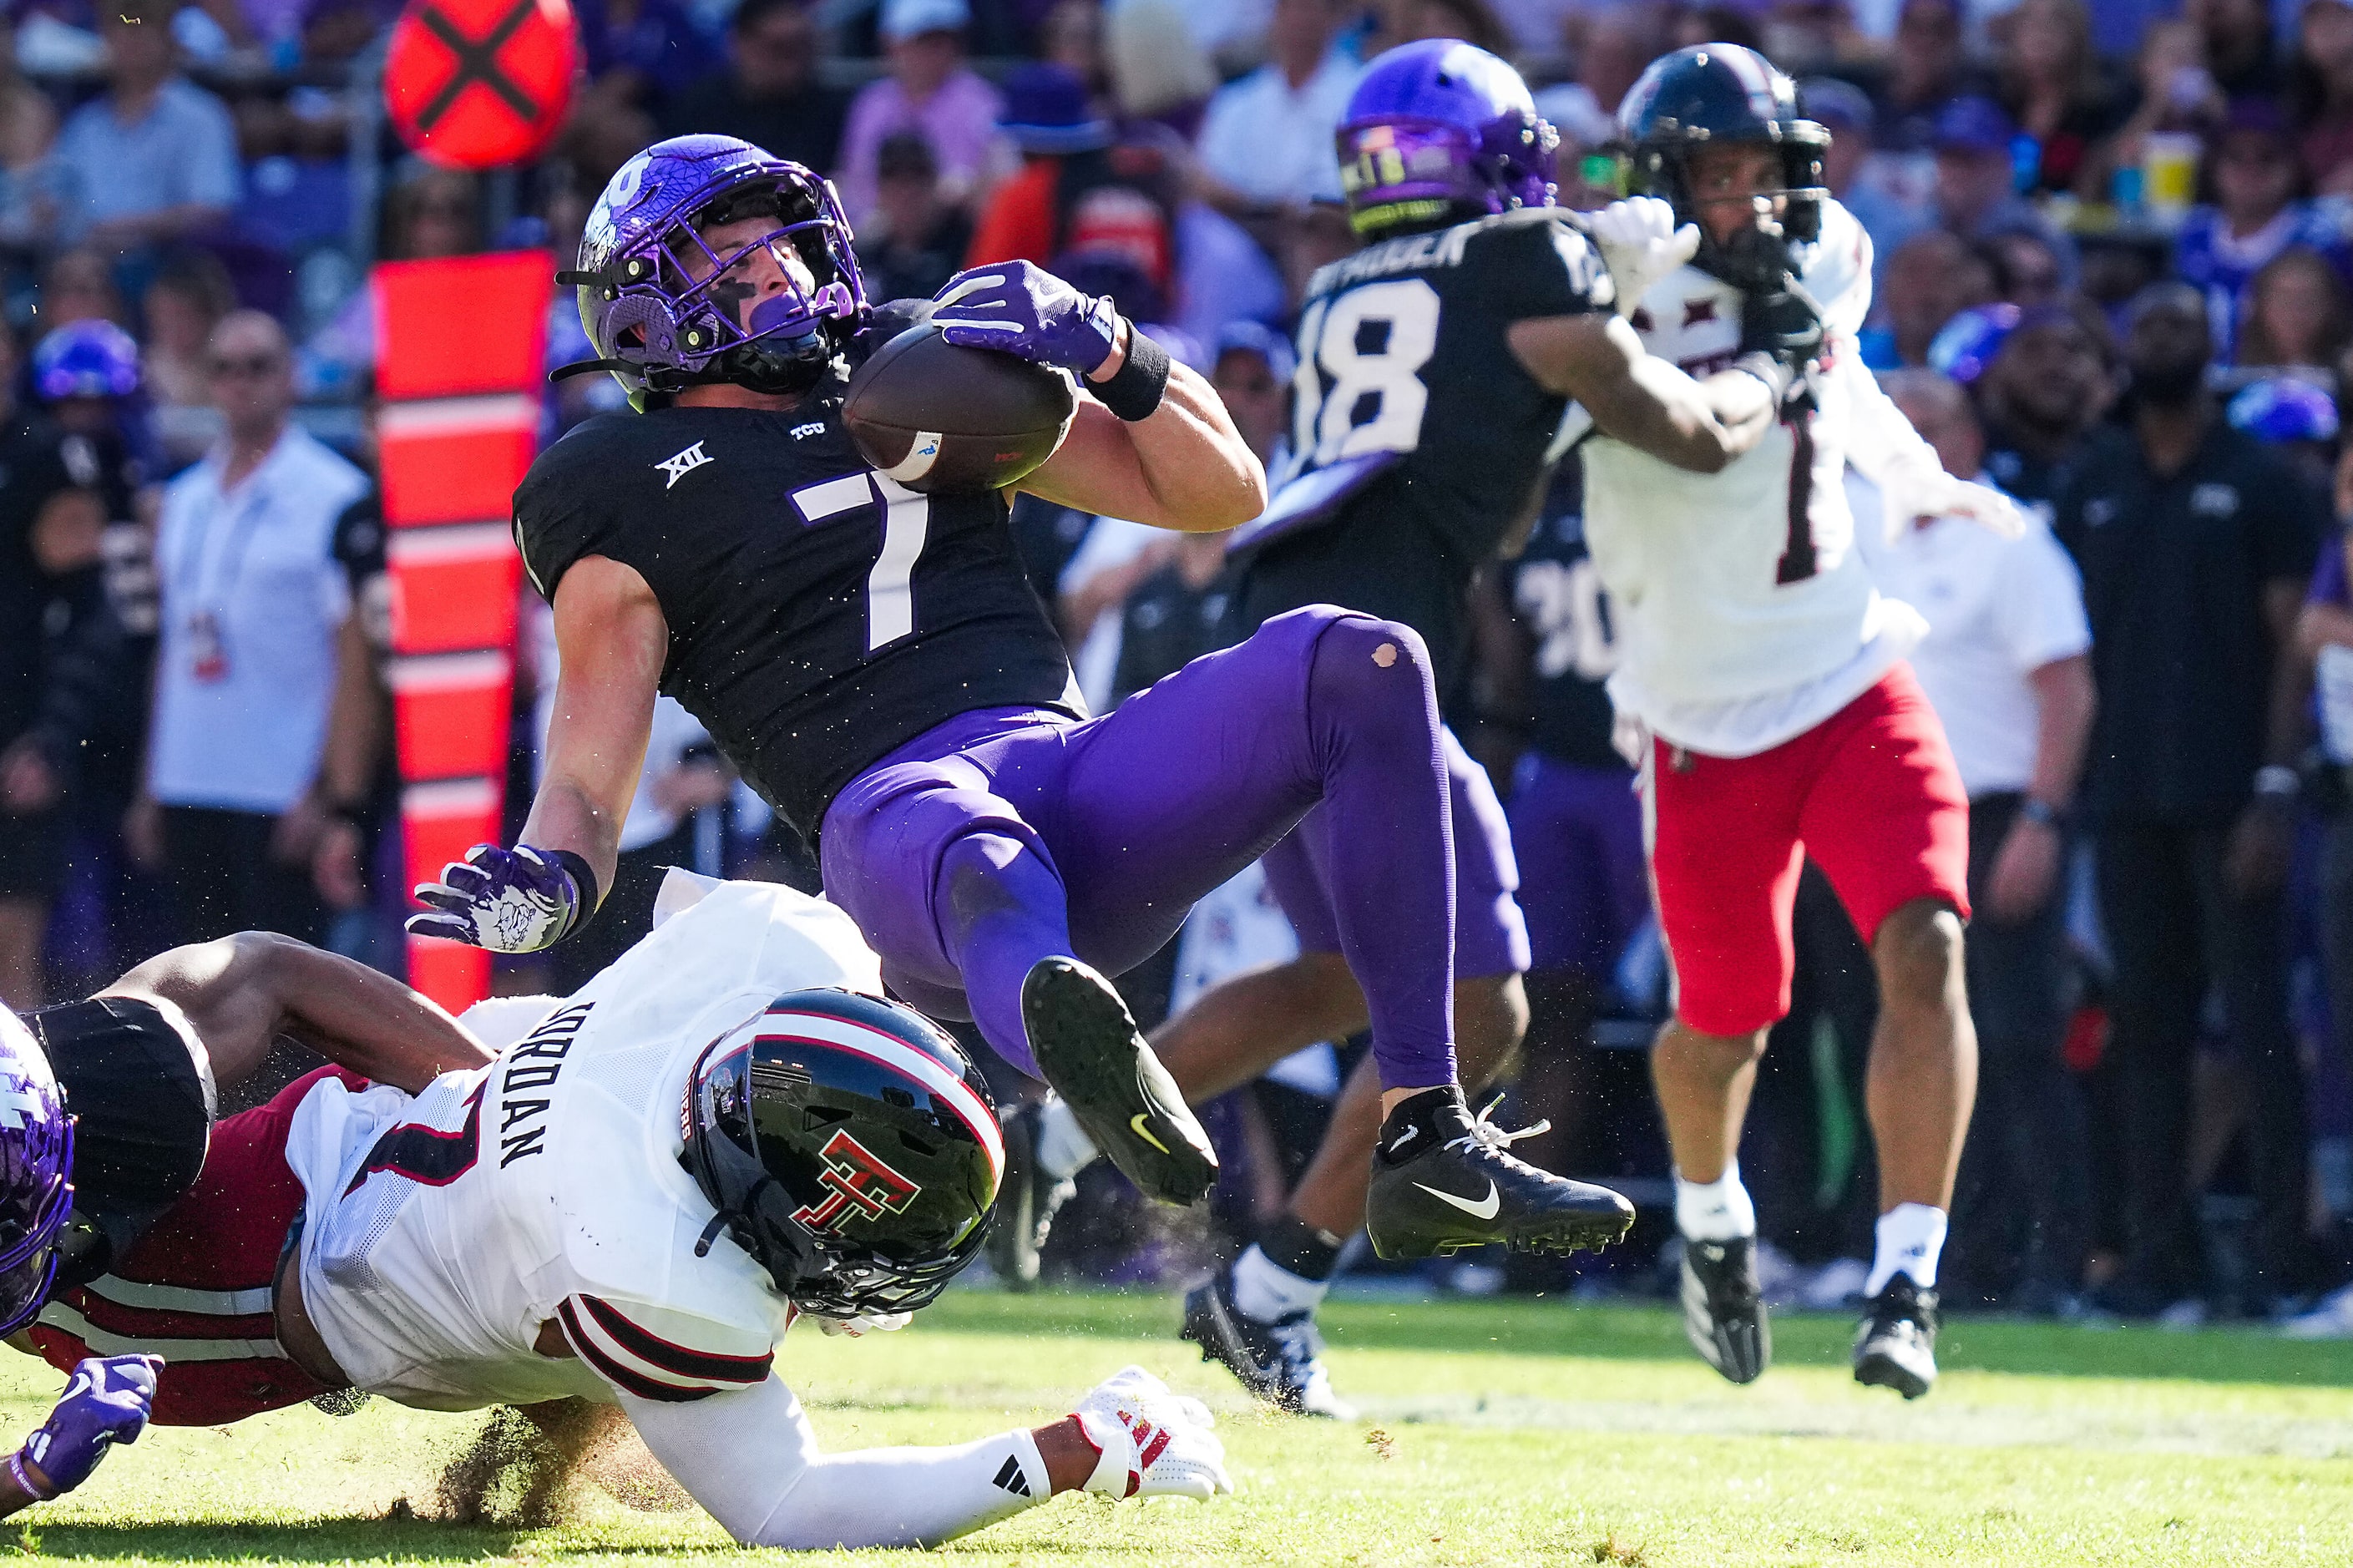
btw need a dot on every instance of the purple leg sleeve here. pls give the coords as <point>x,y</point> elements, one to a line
<point>966,854</point>
<point>1491,937</point>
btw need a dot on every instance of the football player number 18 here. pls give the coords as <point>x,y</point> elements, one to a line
<point>1372,341</point>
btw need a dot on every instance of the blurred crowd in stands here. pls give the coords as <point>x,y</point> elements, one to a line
<point>2113,251</point>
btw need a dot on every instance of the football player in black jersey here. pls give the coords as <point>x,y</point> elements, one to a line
<point>1435,367</point>
<point>875,662</point>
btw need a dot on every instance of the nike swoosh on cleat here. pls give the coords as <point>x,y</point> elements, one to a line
<point>1486,1209</point>
<point>1136,1122</point>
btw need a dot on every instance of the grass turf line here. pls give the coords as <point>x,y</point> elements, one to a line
<point>1497,1432</point>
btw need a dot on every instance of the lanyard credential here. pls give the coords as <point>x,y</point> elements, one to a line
<point>214,577</point>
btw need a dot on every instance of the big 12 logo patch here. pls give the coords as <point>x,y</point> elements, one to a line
<point>859,1186</point>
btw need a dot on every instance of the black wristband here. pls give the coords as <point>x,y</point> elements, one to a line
<point>582,878</point>
<point>1136,391</point>
<point>2035,809</point>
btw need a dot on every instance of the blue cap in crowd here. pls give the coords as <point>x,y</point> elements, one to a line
<point>904,19</point>
<point>1972,125</point>
<point>2284,408</point>
<point>1841,105</point>
<point>1250,337</point>
<point>86,359</point>
<point>1966,347</point>
<point>1045,112</point>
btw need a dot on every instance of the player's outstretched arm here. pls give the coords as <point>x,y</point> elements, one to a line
<point>1595,360</point>
<point>1152,444</point>
<point>751,1459</point>
<point>242,992</point>
<point>106,1402</point>
<point>612,639</point>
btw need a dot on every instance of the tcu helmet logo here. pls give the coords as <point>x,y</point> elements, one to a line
<point>860,1181</point>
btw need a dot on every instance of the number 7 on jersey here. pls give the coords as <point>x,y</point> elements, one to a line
<point>906,524</point>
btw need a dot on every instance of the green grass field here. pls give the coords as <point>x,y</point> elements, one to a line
<point>1494,1433</point>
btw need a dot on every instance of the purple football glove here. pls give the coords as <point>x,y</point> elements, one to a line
<point>508,900</point>
<point>104,1404</point>
<point>1024,310</point>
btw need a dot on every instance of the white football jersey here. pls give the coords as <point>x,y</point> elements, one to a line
<point>443,1232</point>
<point>1744,615</point>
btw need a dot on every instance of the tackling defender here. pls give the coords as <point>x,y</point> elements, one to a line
<point>1783,719</point>
<point>107,1143</point>
<point>876,663</point>
<point>1435,366</point>
<point>724,1130</point>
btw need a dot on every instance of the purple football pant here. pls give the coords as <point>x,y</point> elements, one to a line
<point>1007,835</point>
<point>1490,937</point>
<point>1583,878</point>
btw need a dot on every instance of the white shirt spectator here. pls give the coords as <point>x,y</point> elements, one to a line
<point>1273,144</point>
<point>252,598</point>
<point>1998,610</point>
<point>183,152</point>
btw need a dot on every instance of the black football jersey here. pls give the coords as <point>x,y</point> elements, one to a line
<point>1558,597</point>
<point>820,615</point>
<point>143,1106</point>
<point>1417,439</point>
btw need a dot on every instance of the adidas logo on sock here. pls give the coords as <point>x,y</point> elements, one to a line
<point>1010,1477</point>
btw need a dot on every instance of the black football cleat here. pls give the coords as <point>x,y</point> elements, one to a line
<point>1457,1185</point>
<point>1281,1362</point>
<point>1088,1049</point>
<point>1897,1345</point>
<point>1724,1311</point>
<point>1027,1200</point>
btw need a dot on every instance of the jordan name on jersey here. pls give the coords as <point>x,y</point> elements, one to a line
<point>445,1232</point>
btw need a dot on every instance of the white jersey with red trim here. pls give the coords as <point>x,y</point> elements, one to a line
<point>1744,616</point>
<point>444,1231</point>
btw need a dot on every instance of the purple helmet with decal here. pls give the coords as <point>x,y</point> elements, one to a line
<point>86,359</point>
<point>1436,131</point>
<point>36,1171</point>
<point>652,288</point>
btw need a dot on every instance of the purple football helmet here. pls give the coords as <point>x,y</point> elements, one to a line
<point>36,1171</point>
<point>650,284</point>
<point>1438,131</point>
<point>86,359</point>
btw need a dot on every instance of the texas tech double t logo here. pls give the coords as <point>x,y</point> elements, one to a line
<point>859,1186</point>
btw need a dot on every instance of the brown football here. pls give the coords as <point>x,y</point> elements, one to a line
<point>940,419</point>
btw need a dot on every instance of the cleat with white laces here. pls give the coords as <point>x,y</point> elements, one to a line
<point>1897,1345</point>
<point>1460,1186</point>
<point>1724,1311</point>
<point>1027,1200</point>
<point>1281,1362</point>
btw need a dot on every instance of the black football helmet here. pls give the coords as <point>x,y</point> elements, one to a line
<point>849,1146</point>
<point>1715,93</point>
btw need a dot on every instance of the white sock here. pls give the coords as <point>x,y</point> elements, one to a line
<point>1714,1211</point>
<point>1910,1237</point>
<point>1063,1147</point>
<point>1266,1291</point>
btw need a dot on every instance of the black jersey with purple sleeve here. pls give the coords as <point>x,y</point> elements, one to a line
<point>819,614</point>
<point>1419,439</point>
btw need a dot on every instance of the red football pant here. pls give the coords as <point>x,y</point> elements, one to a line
<point>1871,794</point>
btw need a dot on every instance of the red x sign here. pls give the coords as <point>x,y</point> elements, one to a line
<point>476,84</point>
